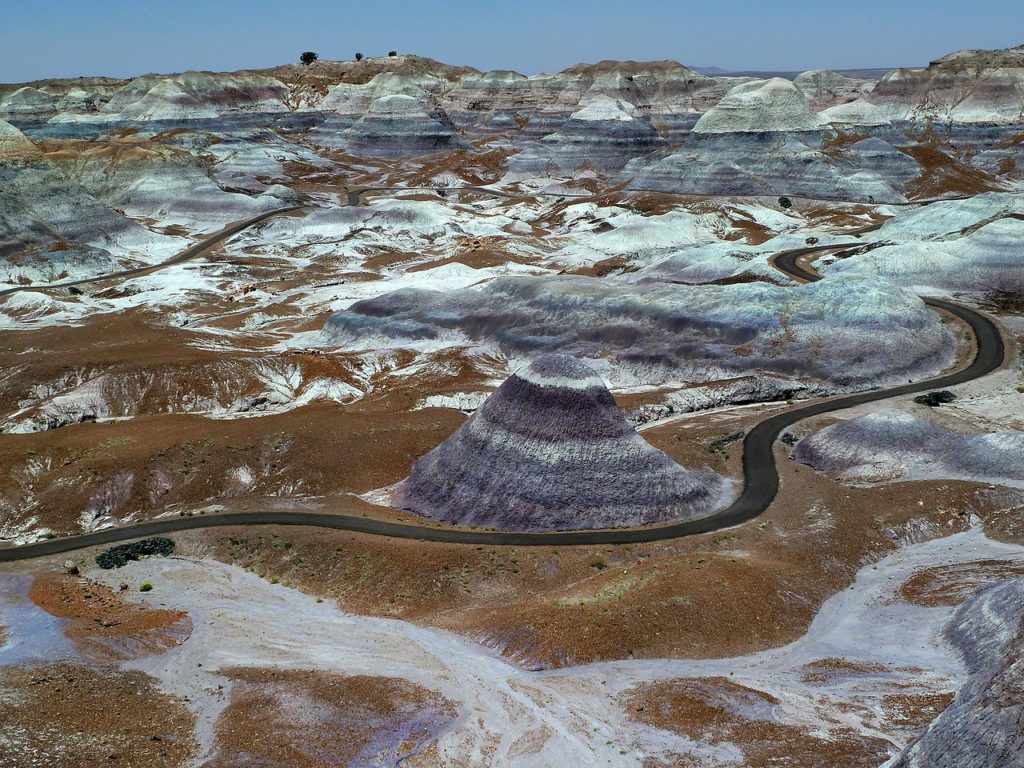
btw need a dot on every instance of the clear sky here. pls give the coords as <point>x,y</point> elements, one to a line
<point>61,38</point>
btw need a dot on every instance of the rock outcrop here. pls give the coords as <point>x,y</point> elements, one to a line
<point>14,145</point>
<point>826,89</point>
<point>187,97</point>
<point>981,728</point>
<point>964,87</point>
<point>400,126</point>
<point>982,257</point>
<point>800,164</point>
<point>858,112</point>
<point>550,451</point>
<point>604,134</point>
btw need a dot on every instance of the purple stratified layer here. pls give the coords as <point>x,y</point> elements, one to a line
<point>550,450</point>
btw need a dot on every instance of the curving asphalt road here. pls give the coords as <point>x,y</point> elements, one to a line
<point>760,475</point>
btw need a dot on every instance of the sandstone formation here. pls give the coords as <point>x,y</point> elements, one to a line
<point>670,333</point>
<point>550,450</point>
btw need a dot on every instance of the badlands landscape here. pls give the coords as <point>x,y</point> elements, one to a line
<point>389,412</point>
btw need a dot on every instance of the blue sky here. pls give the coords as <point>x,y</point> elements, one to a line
<point>118,38</point>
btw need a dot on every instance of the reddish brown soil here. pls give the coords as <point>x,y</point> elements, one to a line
<point>942,174</point>
<point>703,709</point>
<point>68,716</point>
<point>102,624</point>
<point>914,712</point>
<point>718,595</point>
<point>951,585</point>
<point>313,719</point>
<point>826,671</point>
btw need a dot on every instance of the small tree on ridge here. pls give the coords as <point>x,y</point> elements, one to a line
<point>308,57</point>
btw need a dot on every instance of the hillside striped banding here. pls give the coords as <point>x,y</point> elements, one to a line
<point>550,451</point>
<point>982,727</point>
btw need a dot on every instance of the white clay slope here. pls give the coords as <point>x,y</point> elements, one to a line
<point>774,105</point>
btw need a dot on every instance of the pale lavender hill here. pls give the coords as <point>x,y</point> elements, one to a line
<point>851,334</point>
<point>890,445</point>
<point>982,728</point>
<point>550,451</point>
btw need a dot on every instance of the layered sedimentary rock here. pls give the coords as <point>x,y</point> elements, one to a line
<point>858,113</point>
<point>37,102</point>
<point>890,445</point>
<point>51,227</point>
<point>604,134</point>
<point>760,106</point>
<point>829,331</point>
<point>964,87</point>
<point>826,89</point>
<point>550,450</point>
<point>748,163</point>
<point>981,728</point>
<point>478,98</point>
<point>400,126</point>
<point>14,145</point>
<point>763,138</point>
<point>153,181</point>
<point>982,257</point>
<point>187,97</point>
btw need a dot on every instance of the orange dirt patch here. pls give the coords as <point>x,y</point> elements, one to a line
<point>950,585</point>
<point>68,716</point>
<point>824,671</point>
<point>942,174</point>
<point>104,625</point>
<point>716,711</point>
<point>318,720</point>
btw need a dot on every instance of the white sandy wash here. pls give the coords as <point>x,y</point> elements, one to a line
<point>575,716</point>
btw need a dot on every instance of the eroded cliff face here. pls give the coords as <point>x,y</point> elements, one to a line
<point>550,450</point>
<point>981,727</point>
<point>952,128</point>
<point>965,87</point>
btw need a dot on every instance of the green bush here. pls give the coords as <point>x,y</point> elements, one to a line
<point>118,556</point>
<point>146,587</point>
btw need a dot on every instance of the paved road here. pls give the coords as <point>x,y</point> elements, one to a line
<point>760,475</point>
<point>189,253</point>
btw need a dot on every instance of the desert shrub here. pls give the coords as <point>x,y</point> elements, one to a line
<point>308,57</point>
<point>145,587</point>
<point>359,57</point>
<point>118,556</point>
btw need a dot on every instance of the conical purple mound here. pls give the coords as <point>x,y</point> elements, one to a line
<point>550,451</point>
